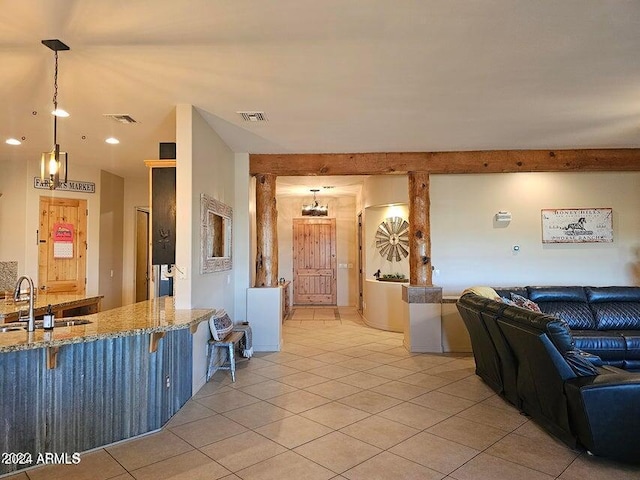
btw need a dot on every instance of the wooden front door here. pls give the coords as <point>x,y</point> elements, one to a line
<point>62,245</point>
<point>314,261</point>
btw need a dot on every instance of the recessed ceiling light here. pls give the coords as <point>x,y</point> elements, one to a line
<point>112,141</point>
<point>13,141</point>
<point>59,112</point>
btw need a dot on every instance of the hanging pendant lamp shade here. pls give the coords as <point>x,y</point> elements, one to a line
<point>53,164</point>
<point>315,209</point>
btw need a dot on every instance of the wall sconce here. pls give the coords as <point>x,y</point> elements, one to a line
<point>315,209</point>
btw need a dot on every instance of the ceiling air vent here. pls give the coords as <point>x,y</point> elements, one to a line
<point>253,116</point>
<point>121,117</point>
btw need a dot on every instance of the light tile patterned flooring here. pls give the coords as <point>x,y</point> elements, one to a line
<point>342,400</point>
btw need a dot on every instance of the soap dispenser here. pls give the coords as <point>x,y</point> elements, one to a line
<point>48,319</point>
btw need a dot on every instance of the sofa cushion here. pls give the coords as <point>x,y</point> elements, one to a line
<point>568,303</point>
<point>560,335</point>
<point>616,315</point>
<point>612,294</point>
<point>577,314</point>
<point>611,347</point>
<point>632,342</point>
<point>557,294</point>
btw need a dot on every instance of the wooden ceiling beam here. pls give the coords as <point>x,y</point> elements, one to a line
<point>491,161</point>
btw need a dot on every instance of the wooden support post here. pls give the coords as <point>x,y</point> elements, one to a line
<point>419,229</point>
<point>267,231</point>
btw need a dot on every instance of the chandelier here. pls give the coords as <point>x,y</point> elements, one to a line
<point>315,209</point>
<point>53,165</point>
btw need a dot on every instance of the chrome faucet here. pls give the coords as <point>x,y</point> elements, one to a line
<point>31,320</point>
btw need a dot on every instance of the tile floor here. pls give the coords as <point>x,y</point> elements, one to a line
<point>342,400</point>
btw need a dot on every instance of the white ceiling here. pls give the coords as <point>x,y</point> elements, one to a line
<point>331,75</point>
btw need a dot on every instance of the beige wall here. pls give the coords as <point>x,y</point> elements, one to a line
<point>343,209</point>
<point>385,190</point>
<point>243,237</point>
<point>111,239</point>
<point>13,234</point>
<point>204,164</point>
<point>467,249</point>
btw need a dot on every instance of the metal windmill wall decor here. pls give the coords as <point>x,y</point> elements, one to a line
<point>392,239</point>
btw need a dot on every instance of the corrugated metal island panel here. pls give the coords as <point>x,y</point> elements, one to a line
<point>101,392</point>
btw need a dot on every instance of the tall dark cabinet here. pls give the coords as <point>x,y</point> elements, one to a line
<point>163,215</point>
<point>162,238</point>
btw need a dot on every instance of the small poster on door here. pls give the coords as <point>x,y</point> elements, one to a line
<point>62,240</point>
<point>63,232</point>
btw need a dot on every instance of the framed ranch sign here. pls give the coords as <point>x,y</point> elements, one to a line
<point>577,225</point>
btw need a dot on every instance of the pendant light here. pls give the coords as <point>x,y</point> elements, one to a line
<point>53,165</point>
<point>315,209</point>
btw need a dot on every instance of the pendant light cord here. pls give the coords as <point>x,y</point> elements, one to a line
<point>55,102</point>
<point>55,83</point>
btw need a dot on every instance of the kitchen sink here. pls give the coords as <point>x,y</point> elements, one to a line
<point>71,323</point>
<point>5,329</point>
<point>66,323</point>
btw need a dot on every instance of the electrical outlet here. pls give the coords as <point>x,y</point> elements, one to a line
<point>168,382</point>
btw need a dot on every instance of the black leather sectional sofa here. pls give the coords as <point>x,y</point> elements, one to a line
<point>571,367</point>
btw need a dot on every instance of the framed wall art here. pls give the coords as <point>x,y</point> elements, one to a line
<point>577,225</point>
<point>215,235</point>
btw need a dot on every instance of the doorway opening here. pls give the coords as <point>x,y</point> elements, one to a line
<point>142,254</point>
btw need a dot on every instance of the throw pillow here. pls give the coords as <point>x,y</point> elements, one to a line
<point>508,301</point>
<point>220,324</point>
<point>520,301</point>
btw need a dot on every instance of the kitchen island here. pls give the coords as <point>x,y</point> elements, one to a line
<point>75,388</point>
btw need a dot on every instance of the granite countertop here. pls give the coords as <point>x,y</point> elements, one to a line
<point>42,300</point>
<point>157,315</point>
